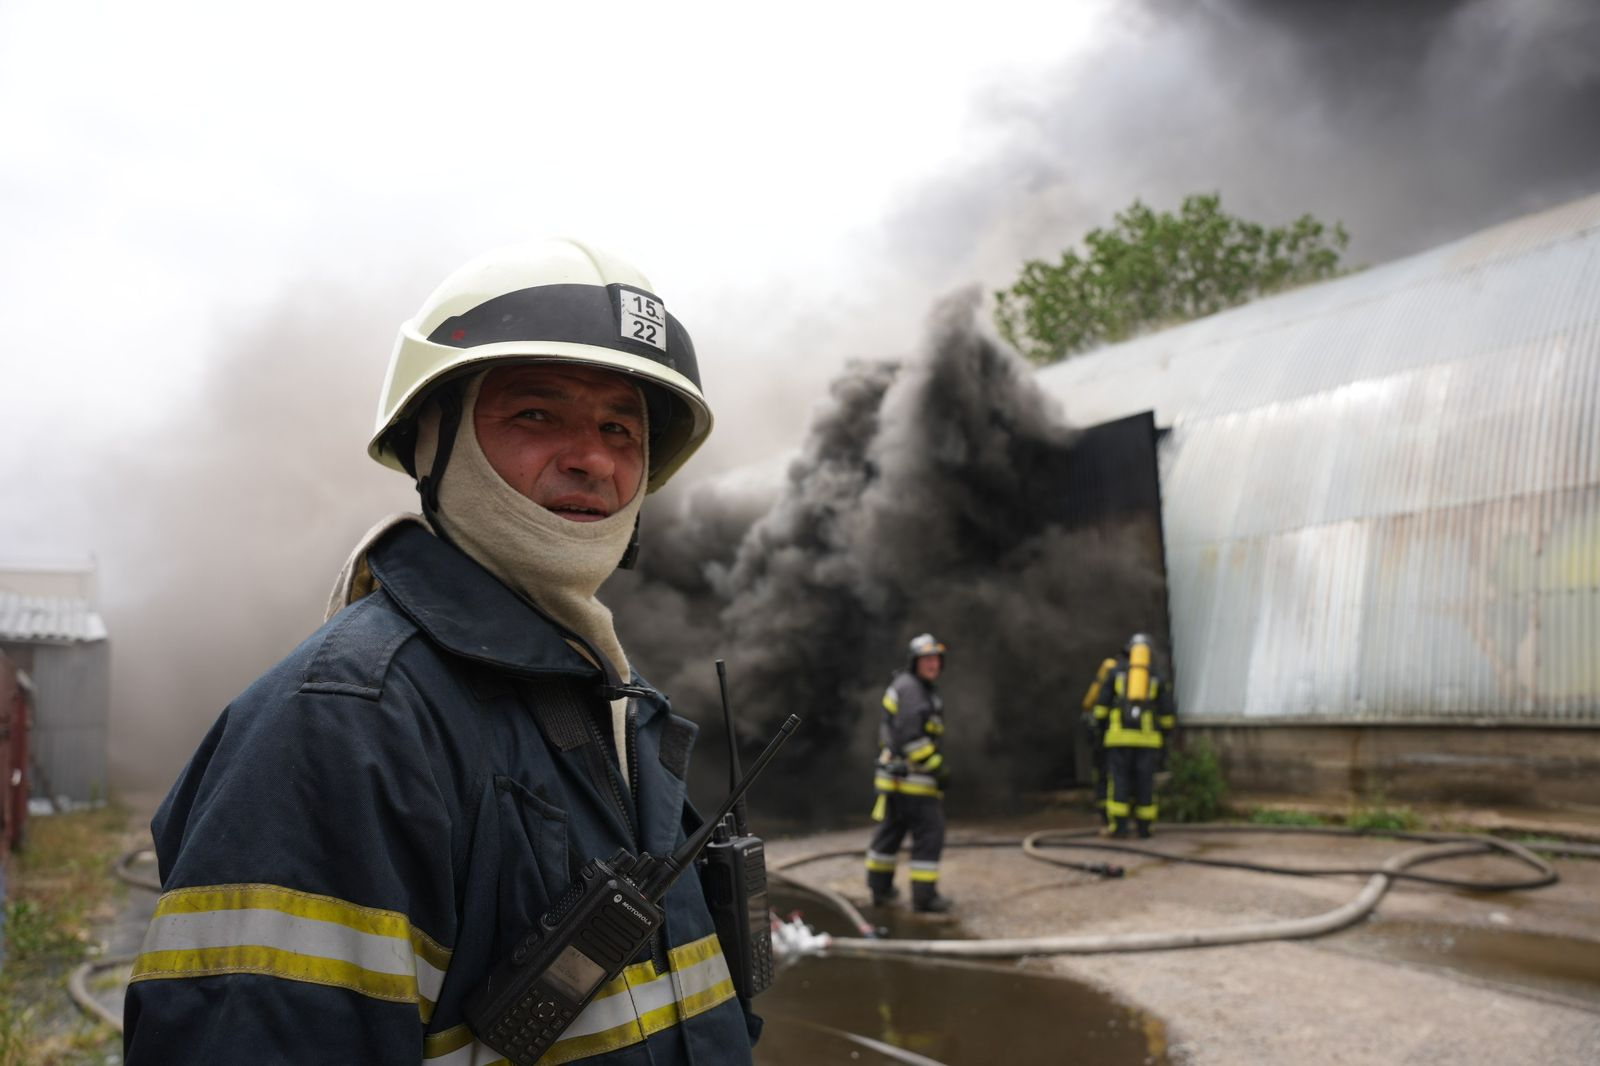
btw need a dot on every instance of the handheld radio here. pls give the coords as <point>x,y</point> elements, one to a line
<point>735,879</point>
<point>609,913</point>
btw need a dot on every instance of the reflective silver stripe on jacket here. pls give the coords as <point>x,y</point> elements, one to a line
<point>297,936</point>
<point>628,1009</point>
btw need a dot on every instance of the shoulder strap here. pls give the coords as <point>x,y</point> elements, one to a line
<point>558,708</point>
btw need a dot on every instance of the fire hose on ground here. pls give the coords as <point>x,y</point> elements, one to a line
<point>78,980</point>
<point>800,941</point>
<point>794,937</point>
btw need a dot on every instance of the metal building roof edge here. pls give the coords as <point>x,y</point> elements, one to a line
<point>48,620</point>
<point>1097,385</point>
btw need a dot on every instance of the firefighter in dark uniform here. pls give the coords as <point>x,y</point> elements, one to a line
<point>1097,749</point>
<point>383,816</point>
<point>1136,716</point>
<point>910,779</point>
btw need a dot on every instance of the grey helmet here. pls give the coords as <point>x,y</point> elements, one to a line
<point>923,644</point>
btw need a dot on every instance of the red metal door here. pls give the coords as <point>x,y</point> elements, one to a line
<point>13,756</point>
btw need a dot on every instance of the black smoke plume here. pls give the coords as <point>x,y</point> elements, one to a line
<point>928,495</point>
<point>1414,122</point>
<point>219,530</point>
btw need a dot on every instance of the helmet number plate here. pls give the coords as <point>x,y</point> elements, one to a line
<point>643,318</point>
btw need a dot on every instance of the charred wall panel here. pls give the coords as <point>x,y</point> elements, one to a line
<point>1112,483</point>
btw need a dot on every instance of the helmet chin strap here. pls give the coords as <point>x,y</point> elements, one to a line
<point>452,410</point>
<point>450,399</point>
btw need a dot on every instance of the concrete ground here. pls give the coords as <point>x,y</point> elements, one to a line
<point>1394,989</point>
<point>1437,975</point>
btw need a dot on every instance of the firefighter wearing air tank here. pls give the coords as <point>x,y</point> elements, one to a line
<point>1135,716</point>
<point>1092,730</point>
<point>910,779</point>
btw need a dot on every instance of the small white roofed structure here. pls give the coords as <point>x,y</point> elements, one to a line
<point>1381,493</point>
<point>50,627</point>
<point>47,618</point>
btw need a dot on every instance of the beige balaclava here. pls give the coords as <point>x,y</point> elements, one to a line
<point>557,564</point>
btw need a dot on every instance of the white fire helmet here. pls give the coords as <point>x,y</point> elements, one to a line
<point>547,301</point>
<point>924,644</point>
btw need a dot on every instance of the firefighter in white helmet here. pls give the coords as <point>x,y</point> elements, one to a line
<point>910,778</point>
<point>381,819</point>
<point>1135,715</point>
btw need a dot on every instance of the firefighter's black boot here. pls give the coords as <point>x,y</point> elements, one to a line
<point>881,884</point>
<point>925,899</point>
<point>1119,828</point>
<point>1144,829</point>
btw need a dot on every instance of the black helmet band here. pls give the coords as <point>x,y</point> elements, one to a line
<point>617,316</point>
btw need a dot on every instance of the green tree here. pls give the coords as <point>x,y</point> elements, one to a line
<point>1152,269</point>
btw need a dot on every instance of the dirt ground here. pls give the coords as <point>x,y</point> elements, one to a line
<point>1398,988</point>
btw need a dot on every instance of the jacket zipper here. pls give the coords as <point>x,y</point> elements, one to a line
<point>658,946</point>
<point>617,792</point>
<point>658,942</point>
<point>631,742</point>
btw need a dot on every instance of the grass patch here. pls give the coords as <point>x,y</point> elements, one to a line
<point>61,886</point>
<point>1376,816</point>
<point>1299,819</point>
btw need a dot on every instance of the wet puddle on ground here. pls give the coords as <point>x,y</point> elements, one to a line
<point>1555,965</point>
<point>885,1010</point>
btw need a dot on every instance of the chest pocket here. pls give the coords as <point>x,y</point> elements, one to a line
<point>534,865</point>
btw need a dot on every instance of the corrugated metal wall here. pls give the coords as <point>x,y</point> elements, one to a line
<point>1382,493</point>
<point>70,729</point>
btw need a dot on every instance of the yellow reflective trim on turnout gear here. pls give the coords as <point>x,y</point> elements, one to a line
<point>891,702</point>
<point>910,785</point>
<point>1145,734</point>
<point>456,1046</point>
<point>640,1002</point>
<point>935,727</point>
<point>933,762</point>
<point>880,807</point>
<point>921,751</point>
<point>1118,737</point>
<point>879,864</point>
<point>926,877</point>
<point>1147,814</point>
<point>634,1005</point>
<point>279,932</point>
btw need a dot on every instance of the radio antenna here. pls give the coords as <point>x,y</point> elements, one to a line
<point>671,866</point>
<point>733,750</point>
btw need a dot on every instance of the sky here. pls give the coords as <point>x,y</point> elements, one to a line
<point>213,219</point>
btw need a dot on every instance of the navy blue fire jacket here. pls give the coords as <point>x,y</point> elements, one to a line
<point>378,820</point>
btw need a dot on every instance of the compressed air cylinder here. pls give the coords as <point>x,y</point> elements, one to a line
<point>1139,673</point>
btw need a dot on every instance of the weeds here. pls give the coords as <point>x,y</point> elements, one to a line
<point>1377,816</point>
<point>16,1028</point>
<point>61,886</point>
<point>1196,790</point>
<point>1272,816</point>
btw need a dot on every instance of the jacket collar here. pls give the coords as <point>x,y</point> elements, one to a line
<point>466,610</point>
